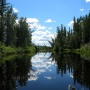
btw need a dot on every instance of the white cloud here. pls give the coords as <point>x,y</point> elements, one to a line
<point>34,24</point>
<point>41,37</point>
<point>41,33</point>
<point>15,10</point>
<point>87,1</point>
<point>17,21</point>
<point>49,20</point>
<point>70,23</point>
<point>81,9</point>
<point>32,20</point>
<point>48,77</point>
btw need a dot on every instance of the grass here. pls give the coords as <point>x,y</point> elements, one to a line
<point>5,50</point>
<point>85,51</point>
<point>7,58</point>
<point>9,53</point>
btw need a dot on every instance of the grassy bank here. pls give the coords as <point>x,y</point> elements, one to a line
<point>5,50</point>
<point>85,51</point>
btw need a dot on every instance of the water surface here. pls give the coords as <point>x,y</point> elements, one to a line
<point>45,71</point>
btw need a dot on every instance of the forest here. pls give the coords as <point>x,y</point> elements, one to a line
<point>13,35</point>
<point>76,38</point>
<point>17,36</point>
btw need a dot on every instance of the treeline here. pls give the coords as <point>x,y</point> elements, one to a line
<point>13,33</point>
<point>73,38</point>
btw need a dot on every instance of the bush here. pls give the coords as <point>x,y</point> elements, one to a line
<point>85,51</point>
<point>8,50</point>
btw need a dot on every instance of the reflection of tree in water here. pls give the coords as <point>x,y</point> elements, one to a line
<point>14,72</point>
<point>82,74</point>
<point>78,67</point>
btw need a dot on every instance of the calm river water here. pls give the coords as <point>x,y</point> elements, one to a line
<point>45,71</point>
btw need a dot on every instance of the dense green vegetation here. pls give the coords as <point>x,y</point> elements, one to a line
<point>75,38</point>
<point>14,36</point>
<point>85,51</point>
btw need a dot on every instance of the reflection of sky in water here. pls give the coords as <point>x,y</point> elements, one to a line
<point>40,64</point>
<point>43,75</point>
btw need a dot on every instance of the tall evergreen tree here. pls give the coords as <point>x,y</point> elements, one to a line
<point>23,33</point>
<point>3,8</point>
<point>10,24</point>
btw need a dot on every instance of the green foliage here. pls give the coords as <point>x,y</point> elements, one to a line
<point>23,33</point>
<point>56,48</point>
<point>73,38</point>
<point>85,51</point>
<point>14,37</point>
<point>10,31</point>
<point>30,49</point>
<point>13,33</point>
<point>52,42</point>
<point>7,58</point>
<point>8,50</point>
<point>44,48</point>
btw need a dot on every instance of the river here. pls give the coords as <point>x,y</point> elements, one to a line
<point>45,71</point>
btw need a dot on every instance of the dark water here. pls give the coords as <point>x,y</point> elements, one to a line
<point>44,71</point>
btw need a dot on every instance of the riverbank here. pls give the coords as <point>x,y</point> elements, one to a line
<point>84,51</point>
<point>5,50</point>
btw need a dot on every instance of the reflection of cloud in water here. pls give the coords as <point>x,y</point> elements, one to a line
<point>32,75</point>
<point>71,75</point>
<point>50,70</point>
<point>48,77</point>
<point>32,78</point>
<point>40,63</point>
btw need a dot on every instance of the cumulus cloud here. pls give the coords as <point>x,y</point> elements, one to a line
<point>42,37</point>
<point>37,26</point>
<point>32,20</point>
<point>81,9</point>
<point>41,33</point>
<point>87,1</point>
<point>15,10</point>
<point>49,21</point>
<point>34,24</point>
<point>70,23</point>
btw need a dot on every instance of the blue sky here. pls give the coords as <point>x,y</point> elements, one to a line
<point>44,16</point>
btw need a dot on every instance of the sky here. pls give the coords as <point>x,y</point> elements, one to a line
<point>43,16</point>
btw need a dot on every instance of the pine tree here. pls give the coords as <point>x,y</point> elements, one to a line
<point>2,21</point>
<point>10,24</point>
<point>23,33</point>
